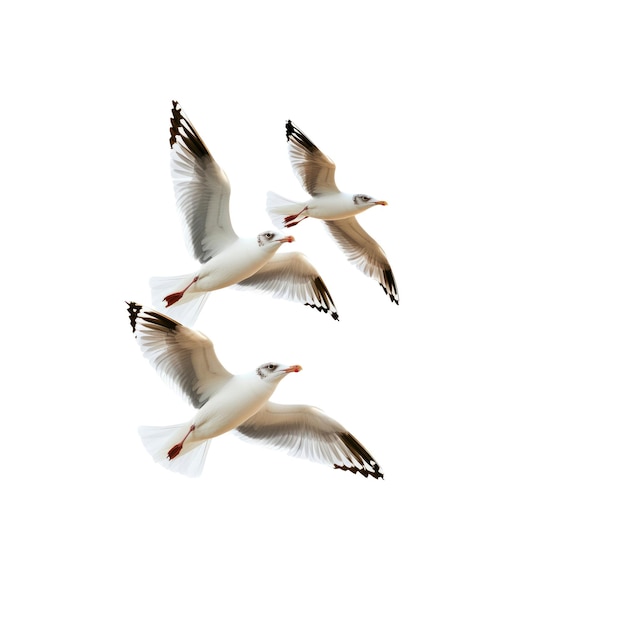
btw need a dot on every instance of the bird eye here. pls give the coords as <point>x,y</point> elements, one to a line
<point>271,366</point>
<point>269,235</point>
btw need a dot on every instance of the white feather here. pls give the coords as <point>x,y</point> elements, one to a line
<point>158,441</point>
<point>277,207</point>
<point>187,309</point>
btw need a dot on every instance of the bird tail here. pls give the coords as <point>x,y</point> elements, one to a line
<point>278,208</point>
<point>159,440</point>
<point>187,308</point>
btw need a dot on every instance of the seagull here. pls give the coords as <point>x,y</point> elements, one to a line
<point>316,173</point>
<point>202,192</point>
<point>233,402</point>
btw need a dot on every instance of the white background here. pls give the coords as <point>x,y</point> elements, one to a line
<point>492,397</point>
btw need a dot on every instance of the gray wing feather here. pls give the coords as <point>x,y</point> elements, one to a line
<point>364,252</point>
<point>306,432</point>
<point>314,170</point>
<point>201,189</point>
<point>184,357</point>
<point>291,276</point>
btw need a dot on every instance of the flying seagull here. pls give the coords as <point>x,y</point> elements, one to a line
<point>316,173</point>
<point>233,402</point>
<point>202,194</point>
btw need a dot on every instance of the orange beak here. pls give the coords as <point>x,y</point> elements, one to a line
<point>381,202</point>
<point>292,368</point>
<point>290,239</point>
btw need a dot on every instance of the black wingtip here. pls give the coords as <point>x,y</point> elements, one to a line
<point>152,318</point>
<point>364,472</point>
<point>326,303</point>
<point>394,298</point>
<point>369,467</point>
<point>133,311</point>
<point>289,127</point>
<point>389,286</point>
<point>175,122</point>
<point>158,319</point>
<point>295,134</point>
<point>182,130</point>
<point>322,309</point>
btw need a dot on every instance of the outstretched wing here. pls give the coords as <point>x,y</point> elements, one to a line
<point>291,276</point>
<point>315,171</point>
<point>201,189</point>
<point>184,357</point>
<point>306,432</point>
<point>365,253</point>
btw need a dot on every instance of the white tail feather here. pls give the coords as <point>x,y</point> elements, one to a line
<point>158,441</point>
<point>187,309</point>
<point>277,207</point>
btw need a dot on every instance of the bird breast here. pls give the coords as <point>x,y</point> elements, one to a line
<point>333,206</point>
<point>240,398</point>
<point>233,264</point>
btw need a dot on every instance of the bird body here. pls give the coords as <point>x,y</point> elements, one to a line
<point>328,207</point>
<point>243,258</point>
<point>240,260</point>
<point>240,398</point>
<point>337,209</point>
<point>202,192</point>
<point>239,403</point>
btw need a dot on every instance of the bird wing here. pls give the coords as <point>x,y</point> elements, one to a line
<point>291,276</point>
<point>201,189</point>
<point>306,432</point>
<point>315,171</point>
<point>364,252</point>
<point>184,357</point>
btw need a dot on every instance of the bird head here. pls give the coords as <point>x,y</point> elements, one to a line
<point>273,239</point>
<point>365,202</point>
<point>274,372</point>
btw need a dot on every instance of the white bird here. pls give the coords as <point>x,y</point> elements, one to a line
<point>316,173</point>
<point>202,192</point>
<point>226,402</point>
